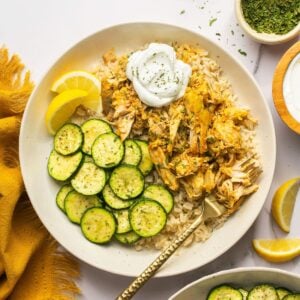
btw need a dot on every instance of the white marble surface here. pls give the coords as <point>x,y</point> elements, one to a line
<point>41,30</point>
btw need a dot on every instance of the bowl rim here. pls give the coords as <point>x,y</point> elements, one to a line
<point>265,38</point>
<point>252,269</point>
<point>205,38</point>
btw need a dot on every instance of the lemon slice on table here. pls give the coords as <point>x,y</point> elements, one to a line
<point>84,81</point>
<point>283,203</point>
<point>277,250</point>
<point>62,107</point>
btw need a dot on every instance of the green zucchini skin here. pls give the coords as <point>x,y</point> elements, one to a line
<point>89,180</point>
<point>127,238</point>
<point>76,204</point>
<point>132,154</point>
<point>91,130</point>
<point>62,167</point>
<point>224,292</point>
<point>107,150</point>
<point>113,201</point>
<point>127,182</point>
<point>98,225</point>
<point>292,297</point>
<point>160,194</point>
<point>147,217</point>
<point>146,164</point>
<point>68,139</point>
<point>62,194</point>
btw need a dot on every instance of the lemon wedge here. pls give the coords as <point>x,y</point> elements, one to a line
<point>62,107</point>
<point>283,203</point>
<point>84,81</point>
<point>277,250</point>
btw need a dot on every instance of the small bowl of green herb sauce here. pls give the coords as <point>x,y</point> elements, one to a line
<point>269,21</point>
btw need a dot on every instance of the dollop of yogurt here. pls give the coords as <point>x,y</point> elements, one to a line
<point>157,76</point>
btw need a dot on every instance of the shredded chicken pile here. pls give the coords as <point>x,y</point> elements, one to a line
<point>199,142</point>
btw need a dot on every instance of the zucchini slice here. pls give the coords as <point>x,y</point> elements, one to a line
<point>225,292</point>
<point>123,224</point>
<point>292,297</point>
<point>89,180</point>
<point>263,291</point>
<point>68,139</point>
<point>98,225</point>
<point>146,164</point>
<point>62,194</point>
<point>92,129</point>
<point>133,153</point>
<point>244,293</point>
<point>126,181</point>
<point>127,238</point>
<point>282,292</point>
<point>160,194</point>
<point>147,217</point>
<point>113,200</point>
<point>76,204</point>
<point>62,167</point>
<point>107,150</point>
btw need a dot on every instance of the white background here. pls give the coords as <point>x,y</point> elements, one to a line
<point>40,31</point>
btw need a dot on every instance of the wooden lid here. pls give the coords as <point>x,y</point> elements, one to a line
<point>277,88</point>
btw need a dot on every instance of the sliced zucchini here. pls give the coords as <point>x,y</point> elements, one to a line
<point>147,217</point>
<point>263,291</point>
<point>244,293</point>
<point>146,164</point>
<point>160,194</point>
<point>292,297</point>
<point>68,139</point>
<point>91,130</point>
<point>123,224</point>
<point>98,225</point>
<point>113,200</point>
<point>133,153</point>
<point>61,167</point>
<point>76,204</point>
<point>224,292</point>
<point>126,181</point>
<point>127,238</point>
<point>89,180</point>
<point>107,150</point>
<point>88,158</point>
<point>62,194</point>
<point>282,292</point>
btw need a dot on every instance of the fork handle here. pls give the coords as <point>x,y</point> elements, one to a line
<point>131,290</point>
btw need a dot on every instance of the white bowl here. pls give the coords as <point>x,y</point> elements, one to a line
<point>35,146</point>
<point>261,37</point>
<point>239,278</point>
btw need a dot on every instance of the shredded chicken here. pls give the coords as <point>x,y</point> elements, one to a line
<point>198,142</point>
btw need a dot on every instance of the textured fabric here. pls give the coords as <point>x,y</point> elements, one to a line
<point>31,265</point>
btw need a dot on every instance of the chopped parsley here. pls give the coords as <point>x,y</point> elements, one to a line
<point>182,12</point>
<point>212,21</point>
<point>272,16</point>
<point>242,52</point>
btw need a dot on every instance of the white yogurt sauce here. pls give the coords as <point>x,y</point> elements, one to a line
<point>157,76</point>
<point>291,88</point>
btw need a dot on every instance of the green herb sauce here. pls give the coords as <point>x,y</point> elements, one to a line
<point>272,16</point>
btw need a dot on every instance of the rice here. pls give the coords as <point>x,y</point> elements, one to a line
<point>230,186</point>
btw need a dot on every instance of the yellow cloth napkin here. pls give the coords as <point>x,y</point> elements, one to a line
<point>31,264</point>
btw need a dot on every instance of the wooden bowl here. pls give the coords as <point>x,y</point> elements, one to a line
<point>277,88</point>
<point>261,37</point>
